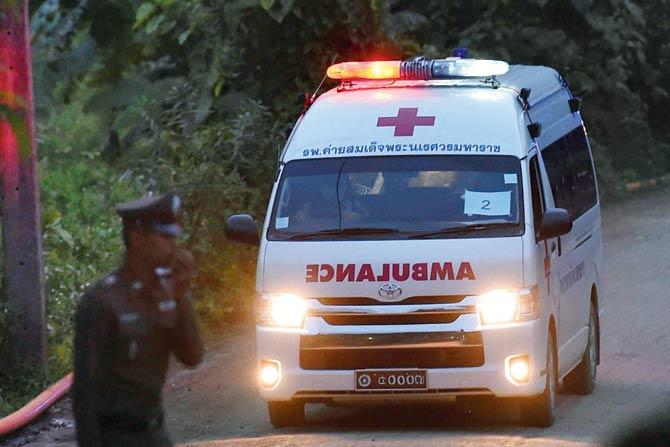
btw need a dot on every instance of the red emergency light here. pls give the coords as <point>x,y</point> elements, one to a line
<point>365,70</point>
<point>418,69</point>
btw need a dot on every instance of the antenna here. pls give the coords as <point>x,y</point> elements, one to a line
<point>313,97</point>
<point>309,100</point>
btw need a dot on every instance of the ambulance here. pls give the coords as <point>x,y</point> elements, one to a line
<point>434,230</point>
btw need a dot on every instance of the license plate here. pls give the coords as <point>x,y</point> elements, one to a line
<point>407,379</point>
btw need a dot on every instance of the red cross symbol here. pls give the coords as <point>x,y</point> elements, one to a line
<point>405,121</point>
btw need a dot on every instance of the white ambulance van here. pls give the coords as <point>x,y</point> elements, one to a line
<point>433,231</point>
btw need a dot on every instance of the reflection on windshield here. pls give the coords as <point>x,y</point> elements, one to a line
<point>410,195</point>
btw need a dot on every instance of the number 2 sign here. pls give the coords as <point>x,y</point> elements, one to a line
<point>487,203</point>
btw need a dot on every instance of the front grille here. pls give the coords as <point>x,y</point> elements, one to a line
<point>365,301</point>
<point>409,350</point>
<point>425,317</point>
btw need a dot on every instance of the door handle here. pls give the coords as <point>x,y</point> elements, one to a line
<point>559,246</point>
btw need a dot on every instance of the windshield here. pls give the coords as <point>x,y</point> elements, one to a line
<point>398,197</point>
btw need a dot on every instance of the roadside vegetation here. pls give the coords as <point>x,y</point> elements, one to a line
<point>147,96</point>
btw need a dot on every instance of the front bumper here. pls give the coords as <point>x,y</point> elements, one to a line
<point>499,343</point>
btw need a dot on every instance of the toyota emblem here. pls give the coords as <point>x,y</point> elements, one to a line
<point>390,291</point>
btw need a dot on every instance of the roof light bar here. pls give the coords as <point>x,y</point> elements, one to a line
<point>365,70</point>
<point>418,69</point>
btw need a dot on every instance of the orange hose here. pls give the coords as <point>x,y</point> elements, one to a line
<point>35,407</point>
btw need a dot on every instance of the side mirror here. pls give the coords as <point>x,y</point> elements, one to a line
<point>242,228</point>
<point>555,222</point>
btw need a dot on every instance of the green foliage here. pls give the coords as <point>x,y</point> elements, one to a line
<point>614,53</point>
<point>81,231</point>
<point>81,238</point>
<point>216,169</point>
<point>81,235</point>
<point>16,389</point>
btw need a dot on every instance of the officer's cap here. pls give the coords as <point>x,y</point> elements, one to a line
<point>160,214</point>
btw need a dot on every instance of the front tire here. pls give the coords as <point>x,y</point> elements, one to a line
<point>286,414</point>
<point>582,379</point>
<point>539,411</point>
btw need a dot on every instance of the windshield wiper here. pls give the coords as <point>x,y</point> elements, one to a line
<point>343,232</point>
<point>464,229</point>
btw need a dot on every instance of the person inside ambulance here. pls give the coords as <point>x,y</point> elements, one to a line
<point>312,207</point>
<point>472,181</point>
<point>352,210</point>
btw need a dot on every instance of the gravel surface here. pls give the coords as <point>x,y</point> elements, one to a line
<point>217,404</point>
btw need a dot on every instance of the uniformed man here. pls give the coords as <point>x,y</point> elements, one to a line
<point>126,326</point>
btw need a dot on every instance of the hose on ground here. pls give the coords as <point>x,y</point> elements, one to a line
<point>33,409</point>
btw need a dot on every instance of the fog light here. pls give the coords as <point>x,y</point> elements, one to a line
<point>518,369</point>
<point>270,373</point>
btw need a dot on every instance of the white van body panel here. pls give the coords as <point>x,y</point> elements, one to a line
<point>578,249</point>
<point>347,123</point>
<point>495,264</point>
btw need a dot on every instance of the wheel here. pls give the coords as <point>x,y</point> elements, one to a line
<point>286,414</point>
<point>539,410</point>
<point>582,379</point>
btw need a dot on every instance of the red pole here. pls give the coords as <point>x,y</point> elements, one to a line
<point>23,281</point>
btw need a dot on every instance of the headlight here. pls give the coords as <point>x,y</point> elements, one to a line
<point>282,310</point>
<point>506,306</point>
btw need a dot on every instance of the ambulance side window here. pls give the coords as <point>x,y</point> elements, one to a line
<point>571,175</point>
<point>536,195</point>
<point>585,196</point>
<point>561,176</point>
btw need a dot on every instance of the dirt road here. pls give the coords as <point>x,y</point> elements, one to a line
<point>217,405</point>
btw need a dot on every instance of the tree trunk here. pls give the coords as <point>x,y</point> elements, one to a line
<point>21,231</point>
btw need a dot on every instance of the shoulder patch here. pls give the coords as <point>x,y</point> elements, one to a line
<point>103,287</point>
<point>110,280</point>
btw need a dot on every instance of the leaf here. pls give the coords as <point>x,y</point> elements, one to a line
<point>280,13</point>
<point>154,23</point>
<point>287,5</point>
<point>583,6</point>
<point>203,108</point>
<point>267,4</point>
<point>183,36</point>
<point>218,87</point>
<point>232,11</point>
<point>62,352</point>
<point>64,235</point>
<point>144,13</point>
<point>405,21</point>
<point>51,216</point>
<point>635,11</point>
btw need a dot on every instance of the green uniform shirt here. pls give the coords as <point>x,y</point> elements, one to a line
<point>125,331</point>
